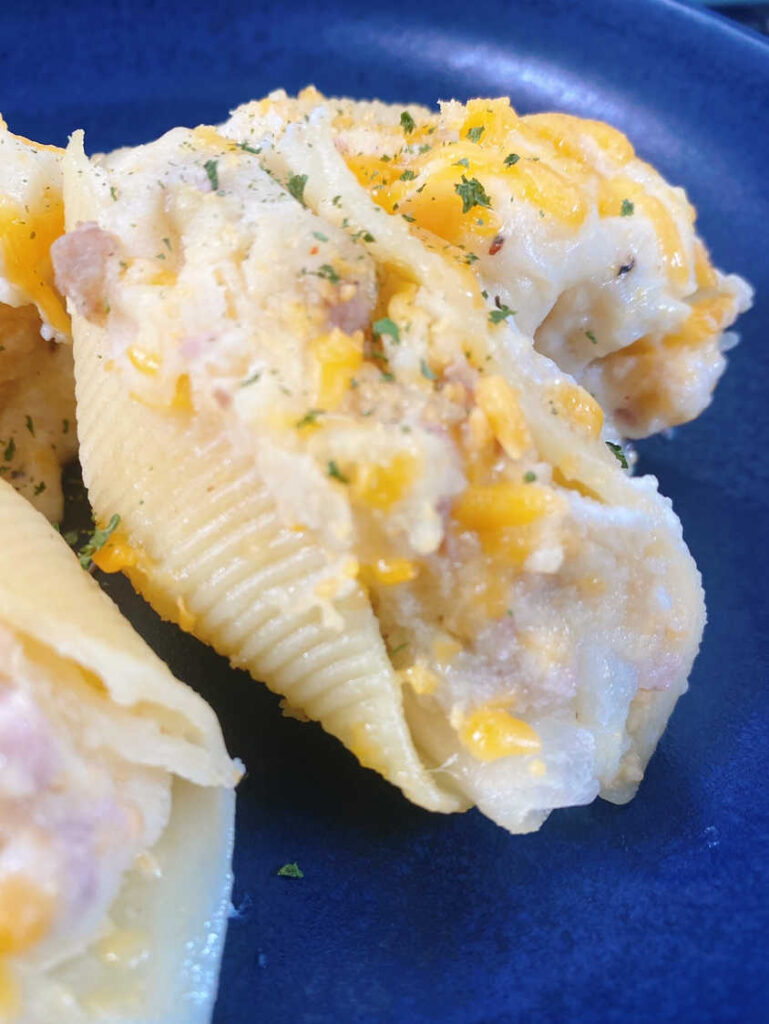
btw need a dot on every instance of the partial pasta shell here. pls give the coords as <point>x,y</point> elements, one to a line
<point>45,594</point>
<point>130,707</point>
<point>178,910</point>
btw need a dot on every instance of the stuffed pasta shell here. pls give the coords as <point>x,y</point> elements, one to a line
<point>116,804</point>
<point>592,250</point>
<point>37,389</point>
<point>346,468</point>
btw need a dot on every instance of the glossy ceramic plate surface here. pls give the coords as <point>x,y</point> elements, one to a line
<point>654,912</point>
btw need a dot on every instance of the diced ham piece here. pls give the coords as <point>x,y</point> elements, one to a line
<point>354,313</point>
<point>80,264</point>
<point>28,762</point>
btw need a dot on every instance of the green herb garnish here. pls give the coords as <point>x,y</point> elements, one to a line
<point>328,273</point>
<point>295,186</point>
<point>627,209</point>
<point>511,158</point>
<point>212,171</point>
<point>309,417</point>
<point>387,326</point>
<point>502,312</point>
<point>335,472</point>
<point>407,122</point>
<point>619,455</point>
<point>426,371</point>
<point>291,871</point>
<point>591,337</point>
<point>98,539</point>
<point>472,193</point>
<point>474,134</point>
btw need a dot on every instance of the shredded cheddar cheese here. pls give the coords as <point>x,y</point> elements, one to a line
<point>497,506</point>
<point>500,405</point>
<point>338,356</point>
<point>381,486</point>
<point>144,362</point>
<point>421,679</point>
<point>26,912</point>
<point>578,407</point>
<point>10,996</point>
<point>490,733</point>
<point>26,237</point>
<point>614,192</point>
<point>390,571</point>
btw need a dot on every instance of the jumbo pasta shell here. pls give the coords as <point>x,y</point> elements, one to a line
<point>200,246</point>
<point>214,553</point>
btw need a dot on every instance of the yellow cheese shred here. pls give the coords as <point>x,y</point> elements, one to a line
<point>26,238</point>
<point>490,733</point>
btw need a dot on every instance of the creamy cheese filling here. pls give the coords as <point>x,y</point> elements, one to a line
<point>595,254</point>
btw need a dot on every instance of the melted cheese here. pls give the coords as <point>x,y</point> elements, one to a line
<point>26,912</point>
<point>615,192</point>
<point>491,733</point>
<point>26,237</point>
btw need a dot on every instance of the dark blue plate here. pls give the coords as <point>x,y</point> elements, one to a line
<point>654,912</point>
